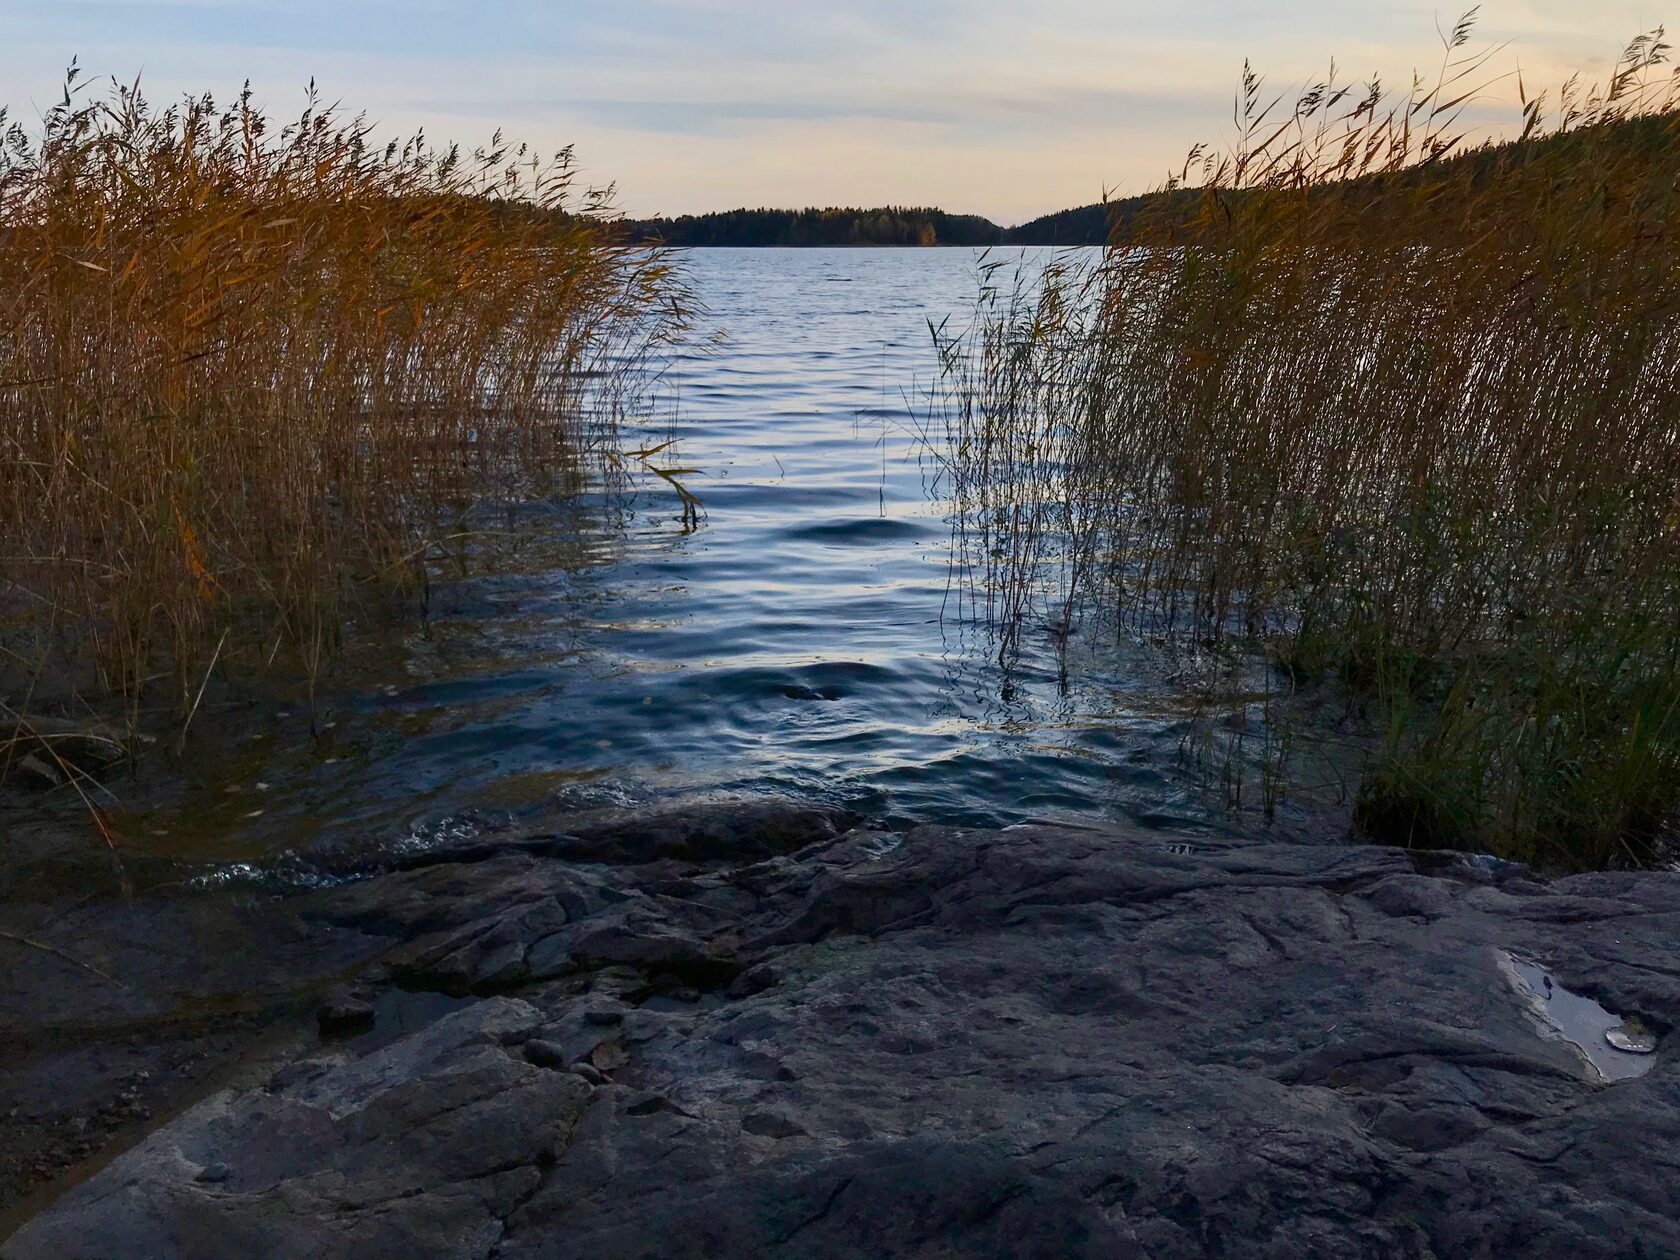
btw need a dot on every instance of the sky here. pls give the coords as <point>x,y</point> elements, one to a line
<point>1007,108</point>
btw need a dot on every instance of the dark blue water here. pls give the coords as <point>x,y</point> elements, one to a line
<point>806,638</point>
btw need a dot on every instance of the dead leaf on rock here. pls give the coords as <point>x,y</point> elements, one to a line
<point>608,1056</point>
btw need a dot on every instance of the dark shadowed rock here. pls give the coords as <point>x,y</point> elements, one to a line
<point>589,1072</point>
<point>343,1013</point>
<point>546,1054</point>
<point>770,1123</point>
<point>1037,1042</point>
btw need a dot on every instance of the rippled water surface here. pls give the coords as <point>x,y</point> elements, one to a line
<point>805,638</point>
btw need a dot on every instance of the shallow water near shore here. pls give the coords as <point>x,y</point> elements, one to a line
<point>807,638</point>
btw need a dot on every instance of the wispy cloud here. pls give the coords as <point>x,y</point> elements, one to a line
<point>991,105</point>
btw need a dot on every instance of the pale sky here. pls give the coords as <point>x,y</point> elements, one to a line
<point>1007,108</point>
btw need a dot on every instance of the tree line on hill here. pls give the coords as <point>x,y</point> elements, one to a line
<point>886,225</point>
<point>1094,224</point>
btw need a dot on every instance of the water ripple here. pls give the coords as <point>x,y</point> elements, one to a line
<point>804,640</point>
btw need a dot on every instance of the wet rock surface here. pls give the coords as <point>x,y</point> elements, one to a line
<point>120,996</point>
<point>753,1033</point>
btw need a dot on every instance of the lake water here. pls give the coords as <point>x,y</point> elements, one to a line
<point>807,638</point>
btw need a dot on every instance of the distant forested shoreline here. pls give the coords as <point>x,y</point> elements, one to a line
<point>1084,225</point>
<point>885,225</point>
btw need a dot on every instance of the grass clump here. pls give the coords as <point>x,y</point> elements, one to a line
<point>247,370</point>
<point>1398,413</point>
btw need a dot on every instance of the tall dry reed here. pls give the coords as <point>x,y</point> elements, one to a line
<point>246,370</point>
<point>1401,415</point>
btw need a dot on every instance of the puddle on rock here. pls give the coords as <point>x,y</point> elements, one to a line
<point>1578,1020</point>
<point>398,1012</point>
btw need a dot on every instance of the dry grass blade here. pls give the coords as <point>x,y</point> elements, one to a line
<point>43,947</point>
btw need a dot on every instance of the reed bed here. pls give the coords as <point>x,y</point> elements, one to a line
<point>1395,414</point>
<point>248,371</point>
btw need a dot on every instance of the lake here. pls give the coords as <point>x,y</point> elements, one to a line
<point>810,637</point>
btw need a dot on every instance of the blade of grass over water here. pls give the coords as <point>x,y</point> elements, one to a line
<point>1393,416</point>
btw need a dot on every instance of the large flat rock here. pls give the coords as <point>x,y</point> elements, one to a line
<point>1035,1042</point>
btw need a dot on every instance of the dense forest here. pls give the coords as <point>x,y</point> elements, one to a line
<point>1087,225</point>
<point>887,225</point>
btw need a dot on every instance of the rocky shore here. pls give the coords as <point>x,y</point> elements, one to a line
<point>760,1030</point>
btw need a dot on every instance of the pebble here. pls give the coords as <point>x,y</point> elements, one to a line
<point>771,1124</point>
<point>343,1012</point>
<point>545,1054</point>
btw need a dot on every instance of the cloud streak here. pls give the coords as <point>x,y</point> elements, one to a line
<point>984,105</point>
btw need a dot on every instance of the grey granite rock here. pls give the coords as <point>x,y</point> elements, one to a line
<point>1034,1042</point>
<point>424,1148</point>
<point>342,1012</point>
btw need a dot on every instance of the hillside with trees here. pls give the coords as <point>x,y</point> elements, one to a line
<point>886,225</point>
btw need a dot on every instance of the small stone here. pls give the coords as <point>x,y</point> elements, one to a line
<point>213,1173</point>
<point>753,981</point>
<point>588,1072</point>
<point>545,1054</point>
<point>603,1017</point>
<point>771,1124</point>
<point>342,1013</point>
<point>622,982</point>
<point>293,1073</point>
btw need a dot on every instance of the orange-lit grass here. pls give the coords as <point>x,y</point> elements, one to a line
<point>245,368</point>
